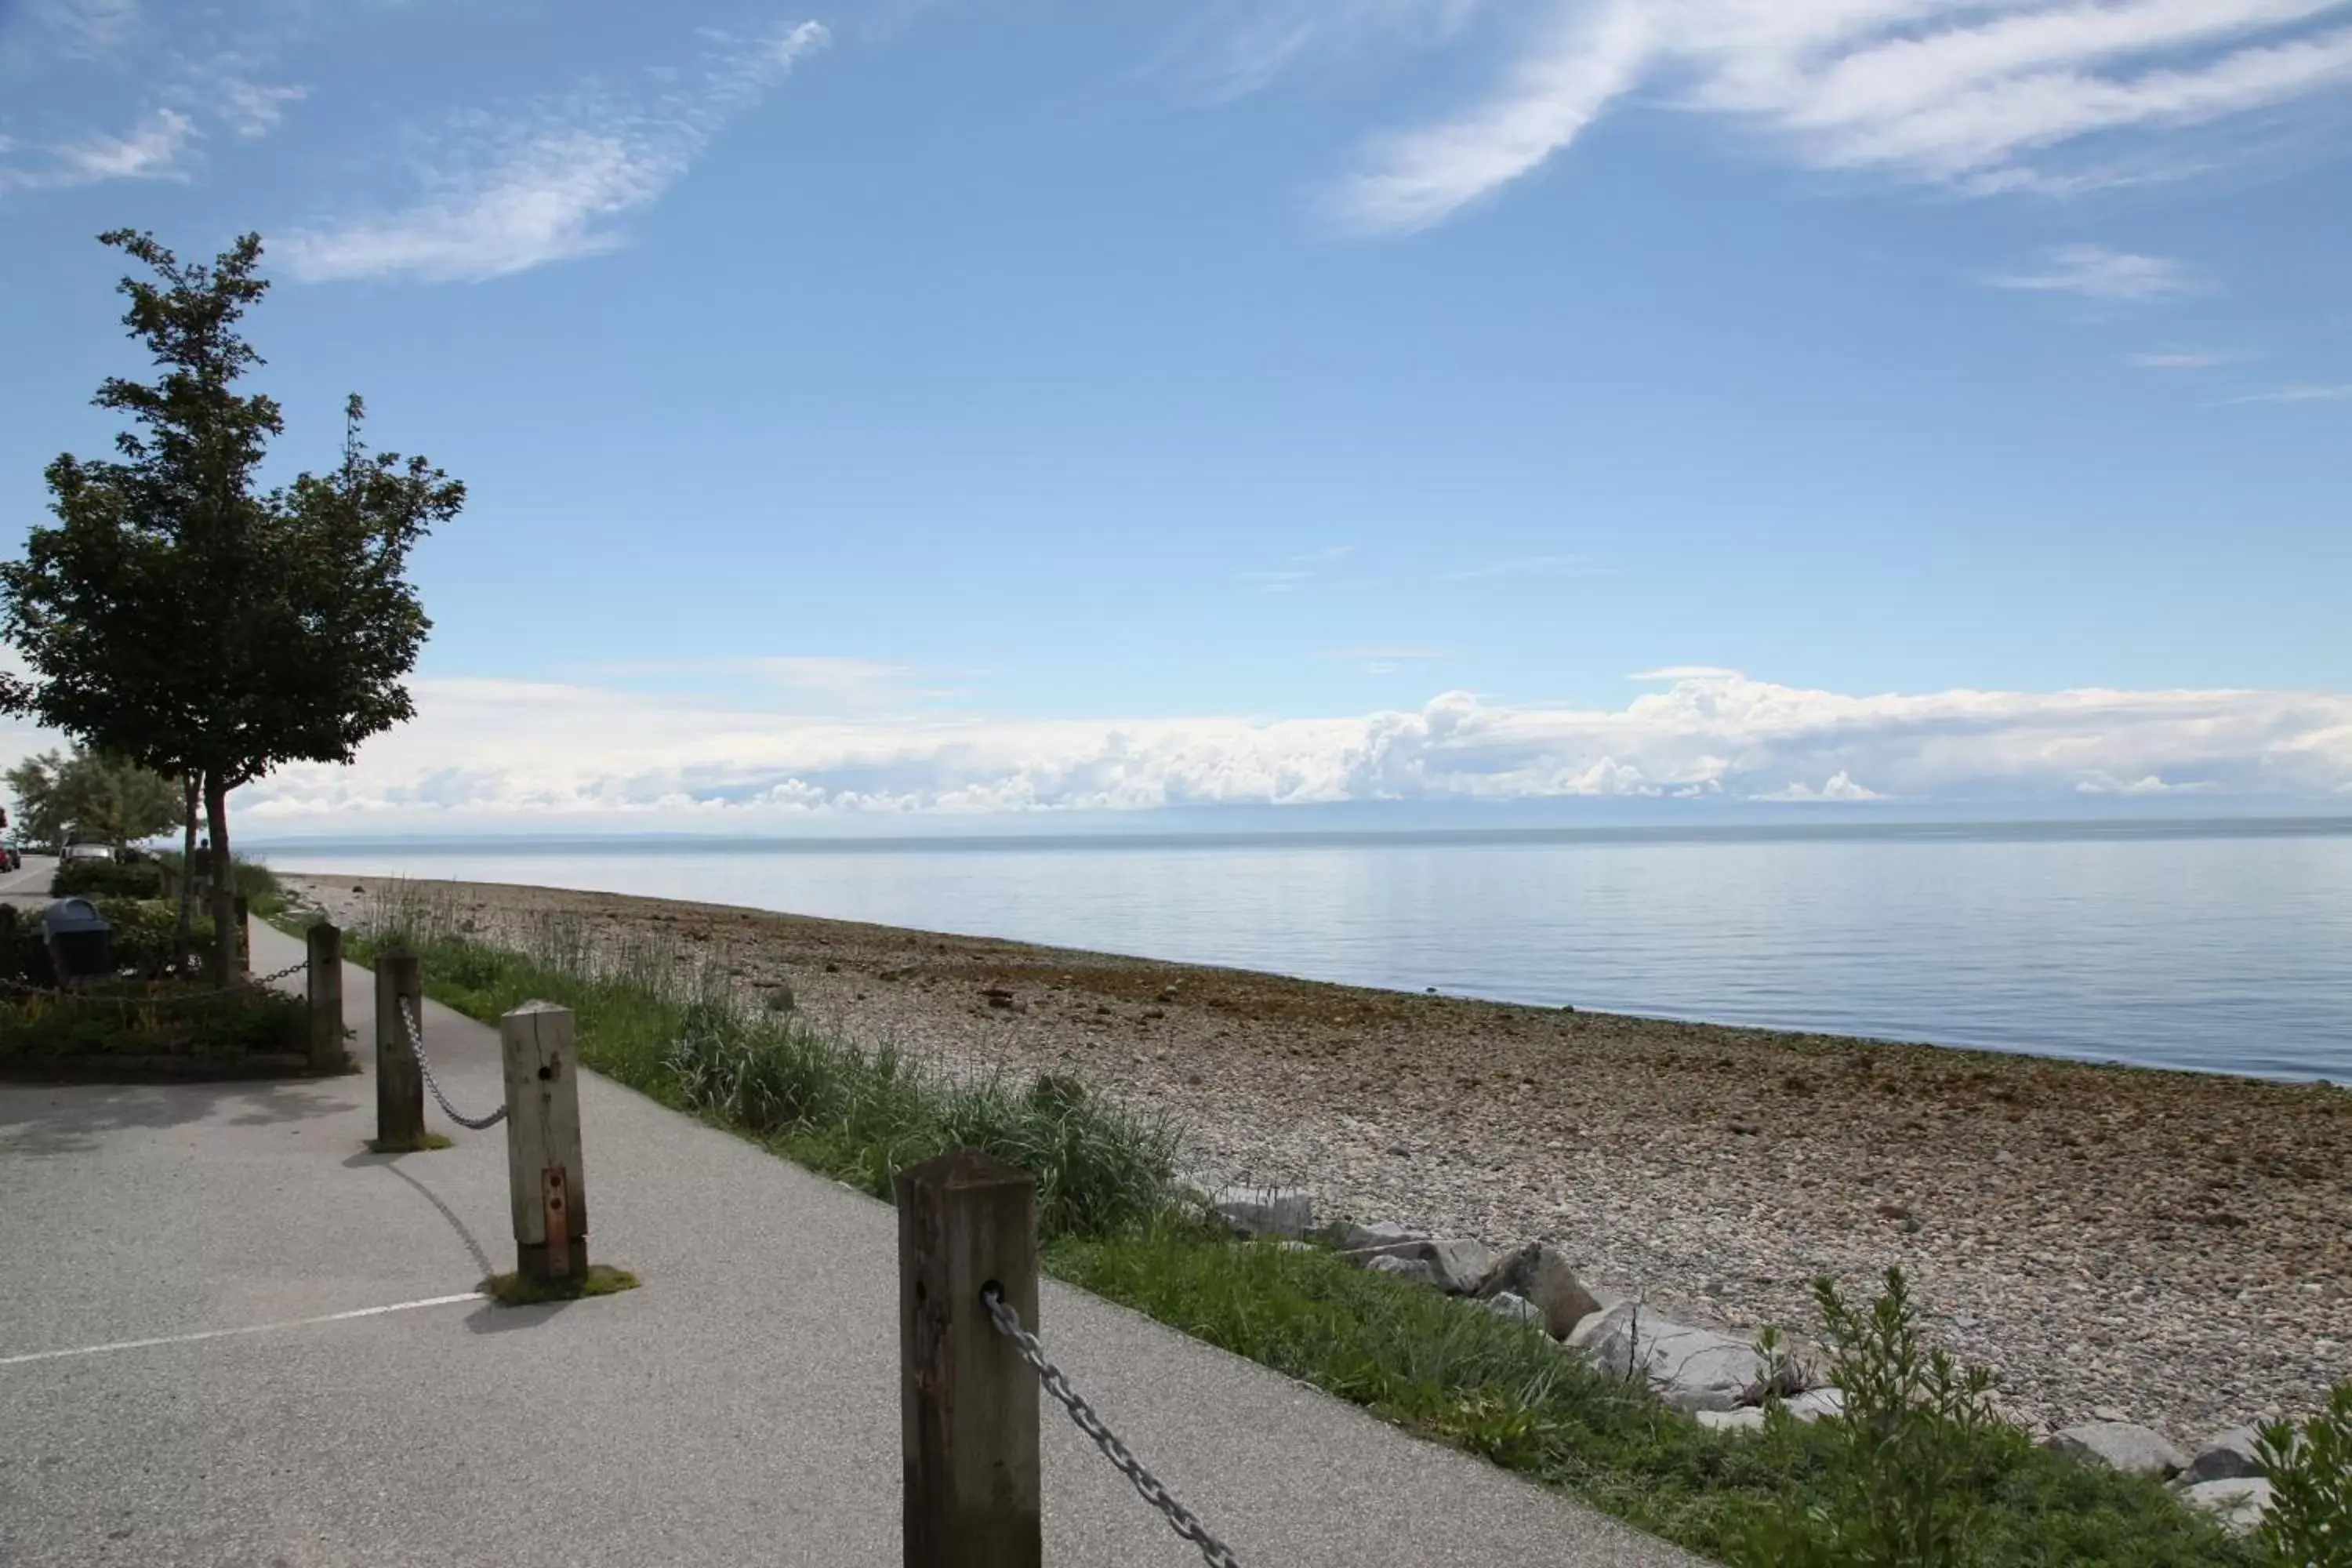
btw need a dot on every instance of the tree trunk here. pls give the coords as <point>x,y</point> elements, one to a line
<point>224,965</point>
<point>191,794</point>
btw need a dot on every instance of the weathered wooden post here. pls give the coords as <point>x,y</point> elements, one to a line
<point>968,1402</point>
<point>325,948</point>
<point>244,937</point>
<point>550,1192</point>
<point>399,1086</point>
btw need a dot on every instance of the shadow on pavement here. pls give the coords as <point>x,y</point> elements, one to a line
<point>492,1318</point>
<point>70,1118</point>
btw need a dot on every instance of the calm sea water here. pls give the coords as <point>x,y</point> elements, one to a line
<point>2216,946</point>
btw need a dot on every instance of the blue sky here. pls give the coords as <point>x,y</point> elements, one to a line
<point>984,406</point>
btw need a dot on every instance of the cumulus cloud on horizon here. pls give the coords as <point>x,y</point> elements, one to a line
<point>498,752</point>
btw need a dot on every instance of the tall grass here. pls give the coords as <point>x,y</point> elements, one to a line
<point>669,1022</point>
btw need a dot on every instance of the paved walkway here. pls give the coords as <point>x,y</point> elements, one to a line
<point>196,1366</point>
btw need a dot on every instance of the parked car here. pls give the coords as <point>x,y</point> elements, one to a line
<point>73,852</point>
<point>11,858</point>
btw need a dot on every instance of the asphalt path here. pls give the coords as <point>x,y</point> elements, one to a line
<point>231,1338</point>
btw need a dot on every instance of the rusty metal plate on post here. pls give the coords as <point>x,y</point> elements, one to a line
<point>558,1221</point>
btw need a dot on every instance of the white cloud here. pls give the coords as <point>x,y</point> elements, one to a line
<point>87,29</point>
<point>154,149</point>
<point>500,751</point>
<point>1687,672</point>
<point>255,108</point>
<point>2184,361</point>
<point>1981,96</point>
<point>2103,783</point>
<point>1838,786</point>
<point>2097,273</point>
<point>2335,393</point>
<point>549,187</point>
<point>1531,566</point>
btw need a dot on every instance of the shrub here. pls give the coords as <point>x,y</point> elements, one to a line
<point>139,1019</point>
<point>106,879</point>
<point>2309,1524</point>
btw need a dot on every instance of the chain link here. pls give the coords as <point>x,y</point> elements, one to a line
<point>410,1028</point>
<point>28,989</point>
<point>1180,1519</point>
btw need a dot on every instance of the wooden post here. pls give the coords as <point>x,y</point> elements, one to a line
<point>968,1404</point>
<point>326,953</point>
<point>549,1190</point>
<point>244,937</point>
<point>399,1087</point>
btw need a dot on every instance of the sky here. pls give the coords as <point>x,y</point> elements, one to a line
<point>961,410</point>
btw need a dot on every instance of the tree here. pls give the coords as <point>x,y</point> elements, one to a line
<point>95,797</point>
<point>181,616</point>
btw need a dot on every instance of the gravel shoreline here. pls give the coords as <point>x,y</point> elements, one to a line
<point>2176,1247</point>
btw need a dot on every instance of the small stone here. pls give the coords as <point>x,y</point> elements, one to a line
<point>2124,1446</point>
<point>2236,1502</point>
<point>832,969</point>
<point>1891,1210</point>
<point>2109,1413</point>
<point>779,997</point>
<point>2226,1457</point>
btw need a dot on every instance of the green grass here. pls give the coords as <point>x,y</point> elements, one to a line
<point>660,1020</point>
<point>423,1143</point>
<point>514,1291</point>
<point>1451,1372</point>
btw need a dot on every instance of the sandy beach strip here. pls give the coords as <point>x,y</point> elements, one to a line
<point>2174,1246</point>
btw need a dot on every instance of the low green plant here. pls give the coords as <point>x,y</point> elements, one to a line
<point>2309,1522</point>
<point>514,1291</point>
<point>140,1018</point>
<point>106,879</point>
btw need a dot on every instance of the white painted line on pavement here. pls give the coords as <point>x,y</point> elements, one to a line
<point>226,1334</point>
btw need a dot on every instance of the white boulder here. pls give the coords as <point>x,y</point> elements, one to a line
<point>2124,1446</point>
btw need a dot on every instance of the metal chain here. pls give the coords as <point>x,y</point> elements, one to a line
<point>1180,1519</point>
<point>410,1028</point>
<point>29,989</point>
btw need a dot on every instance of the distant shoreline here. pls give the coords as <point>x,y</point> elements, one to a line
<point>2035,830</point>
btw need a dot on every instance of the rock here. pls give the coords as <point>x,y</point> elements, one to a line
<point>998,994</point>
<point>1457,1267</point>
<point>1512,1310</point>
<point>2236,1502</point>
<point>1690,1369</point>
<point>1411,1269</point>
<point>779,997</point>
<point>2226,1457</point>
<point>1748,1420</point>
<point>1540,1275</point>
<point>2109,1413</point>
<point>2124,1446</point>
<point>1350,1236</point>
<point>1264,1211</point>
<point>1816,1404</point>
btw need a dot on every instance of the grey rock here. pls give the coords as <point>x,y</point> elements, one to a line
<point>1266,1210</point>
<point>2236,1502</point>
<point>1539,1274</point>
<point>1816,1404</point>
<point>1748,1420</point>
<point>1456,1267</point>
<point>1690,1369</point>
<point>1350,1236</point>
<point>2124,1446</point>
<point>779,997</point>
<point>2226,1457</point>
<point>2109,1413</point>
<point>1416,1270</point>
<point>1514,1309</point>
